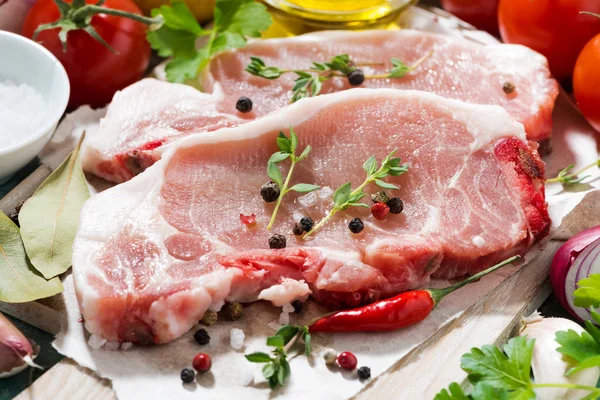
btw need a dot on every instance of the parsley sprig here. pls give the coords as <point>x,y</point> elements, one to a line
<point>309,81</point>
<point>277,368</point>
<point>344,197</point>
<point>497,374</point>
<point>566,177</point>
<point>287,149</point>
<point>234,22</point>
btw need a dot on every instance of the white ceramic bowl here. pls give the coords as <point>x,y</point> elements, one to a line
<point>24,61</point>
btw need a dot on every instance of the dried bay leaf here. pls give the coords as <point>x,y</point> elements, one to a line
<point>50,217</point>
<point>19,281</point>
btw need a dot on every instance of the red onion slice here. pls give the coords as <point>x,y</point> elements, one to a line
<point>586,263</point>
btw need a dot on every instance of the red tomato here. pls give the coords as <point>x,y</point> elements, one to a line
<point>94,71</point>
<point>483,14</point>
<point>586,82</point>
<point>554,28</point>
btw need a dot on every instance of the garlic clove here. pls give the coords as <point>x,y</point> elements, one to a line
<point>550,366</point>
<point>16,351</point>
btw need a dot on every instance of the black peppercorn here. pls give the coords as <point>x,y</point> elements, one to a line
<point>187,375</point>
<point>508,87</point>
<point>202,337</point>
<point>297,229</point>
<point>244,105</point>
<point>396,205</point>
<point>364,373</point>
<point>269,192</point>
<point>298,305</point>
<point>307,223</point>
<point>356,77</point>
<point>277,241</point>
<point>356,225</point>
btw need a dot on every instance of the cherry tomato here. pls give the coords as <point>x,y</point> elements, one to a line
<point>586,82</point>
<point>483,14</point>
<point>95,72</point>
<point>554,28</point>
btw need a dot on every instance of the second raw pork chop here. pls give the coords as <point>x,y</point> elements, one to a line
<point>153,254</point>
<point>149,114</point>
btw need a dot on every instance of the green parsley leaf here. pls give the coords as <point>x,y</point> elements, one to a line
<point>510,371</point>
<point>258,357</point>
<point>588,292</point>
<point>454,392</point>
<point>274,173</point>
<point>234,21</point>
<point>304,188</point>
<point>275,341</point>
<point>483,391</point>
<point>581,347</point>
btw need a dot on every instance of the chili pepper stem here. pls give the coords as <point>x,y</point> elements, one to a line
<point>282,192</point>
<point>568,177</point>
<point>438,294</point>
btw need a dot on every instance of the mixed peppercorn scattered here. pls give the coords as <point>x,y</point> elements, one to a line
<point>356,77</point>
<point>202,337</point>
<point>270,192</point>
<point>202,362</point>
<point>364,373</point>
<point>298,305</point>
<point>356,225</point>
<point>244,105</point>
<point>187,375</point>
<point>234,311</point>
<point>277,241</point>
<point>347,360</point>
<point>508,87</point>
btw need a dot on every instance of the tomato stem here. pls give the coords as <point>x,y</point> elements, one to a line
<point>84,12</point>
<point>438,294</point>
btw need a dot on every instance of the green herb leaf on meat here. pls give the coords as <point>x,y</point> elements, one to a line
<point>234,22</point>
<point>50,217</point>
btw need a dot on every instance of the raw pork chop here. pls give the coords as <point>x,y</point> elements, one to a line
<point>143,117</point>
<point>153,254</point>
<point>149,114</point>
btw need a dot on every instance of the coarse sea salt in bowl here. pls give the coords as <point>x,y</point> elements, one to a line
<point>34,92</point>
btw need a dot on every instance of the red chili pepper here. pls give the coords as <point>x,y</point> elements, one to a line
<point>397,312</point>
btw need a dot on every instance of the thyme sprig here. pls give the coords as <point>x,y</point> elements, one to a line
<point>309,81</point>
<point>566,178</point>
<point>277,368</point>
<point>287,149</point>
<point>344,197</point>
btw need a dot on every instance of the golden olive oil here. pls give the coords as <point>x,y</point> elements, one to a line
<point>293,17</point>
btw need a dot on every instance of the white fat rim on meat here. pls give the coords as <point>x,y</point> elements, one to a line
<point>102,218</point>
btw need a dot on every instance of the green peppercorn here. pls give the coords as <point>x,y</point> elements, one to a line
<point>396,205</point>
<point>277,241</point>
<point>297,229</point>
<point>209,318</point>
<point>307,223</point>
<point>234,311</point>
<point>187,375</point>
<point>202,337</point>
<point>269,192</point>
<point>380,197</point>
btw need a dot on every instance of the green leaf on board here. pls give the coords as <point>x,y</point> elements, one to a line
<point>19,281</point>
<point>50,217</point>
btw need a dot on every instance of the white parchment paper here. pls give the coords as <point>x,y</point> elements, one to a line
<point>153,372</point>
